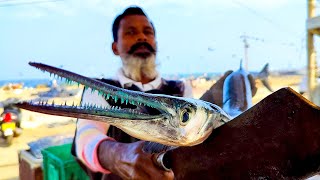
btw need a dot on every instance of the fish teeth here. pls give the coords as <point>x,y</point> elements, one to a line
<point>108,96</point>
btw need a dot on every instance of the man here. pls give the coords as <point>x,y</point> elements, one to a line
<point>118,154</point>
<point>134,42</point>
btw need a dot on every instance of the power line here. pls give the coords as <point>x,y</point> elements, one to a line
<point>9,0</point>
<point>253,11</point>
<point>261,16</point>
<point>25,3</point>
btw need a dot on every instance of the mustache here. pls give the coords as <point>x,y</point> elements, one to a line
<point>139,44</point>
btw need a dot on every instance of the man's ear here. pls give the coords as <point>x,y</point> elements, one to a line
<point>115,48</point>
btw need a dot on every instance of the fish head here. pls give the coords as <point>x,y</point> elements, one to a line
<point>184,121</point>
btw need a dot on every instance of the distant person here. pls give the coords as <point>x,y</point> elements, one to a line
<point>55,86</point>
<point>54,83</point>
<point>103,150</point>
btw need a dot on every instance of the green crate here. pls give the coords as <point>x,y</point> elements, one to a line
<point>59,164</point>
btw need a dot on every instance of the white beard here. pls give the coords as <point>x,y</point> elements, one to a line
<point>136,67</point>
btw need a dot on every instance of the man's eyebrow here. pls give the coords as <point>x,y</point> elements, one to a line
<point>148,27</point>
<point>134,28</point>
<point>131,27</point>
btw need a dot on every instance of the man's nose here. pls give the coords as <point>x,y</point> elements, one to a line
<point>141,37</point>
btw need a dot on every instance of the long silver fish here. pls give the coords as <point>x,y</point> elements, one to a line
<point>174,121</point>
<point>237,94</point>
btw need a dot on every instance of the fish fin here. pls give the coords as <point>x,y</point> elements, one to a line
<point>252,85</point>
<point>263,76</point>
<point>264,73</point>
<point>265,82</point>
<point>153,147</point>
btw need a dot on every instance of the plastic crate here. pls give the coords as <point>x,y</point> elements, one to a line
<point>59,164</point>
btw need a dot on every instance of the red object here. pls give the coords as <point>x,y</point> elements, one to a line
<point>7,117</point>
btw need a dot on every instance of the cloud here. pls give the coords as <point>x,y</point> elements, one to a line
<point>35,8</point>
<point>182,7</point>
<point>30,13</point>
<point>58,7</point>
<point>255,4</point>
<point>113,7</point>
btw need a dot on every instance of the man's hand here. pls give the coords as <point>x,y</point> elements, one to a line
<point>215,93</point>
<point>128,161</point>
<point>253,85</point>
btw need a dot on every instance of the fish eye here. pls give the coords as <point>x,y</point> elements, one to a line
<point>185,116</point>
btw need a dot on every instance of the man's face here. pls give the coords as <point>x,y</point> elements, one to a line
<point>136,38</point>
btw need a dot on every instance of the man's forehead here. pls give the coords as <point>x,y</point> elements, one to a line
<point>135,20</point>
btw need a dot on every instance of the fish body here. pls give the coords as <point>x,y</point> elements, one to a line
<point>237,94</point>
<point>237,90</point>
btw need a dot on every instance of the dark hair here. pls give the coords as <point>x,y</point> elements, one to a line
<point>134,10</point>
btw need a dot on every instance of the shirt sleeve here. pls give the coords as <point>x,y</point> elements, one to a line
<point>90,134</point>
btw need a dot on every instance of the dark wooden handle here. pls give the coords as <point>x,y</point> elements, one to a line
<point>158,160</point>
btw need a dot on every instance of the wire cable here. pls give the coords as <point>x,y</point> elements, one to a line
<point>25,3</point>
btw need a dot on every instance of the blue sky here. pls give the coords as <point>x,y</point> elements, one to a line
<point>192,37</point>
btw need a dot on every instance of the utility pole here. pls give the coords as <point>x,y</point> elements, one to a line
<point>245,38</point>
<point>313,26</point>
<point>246,47</point>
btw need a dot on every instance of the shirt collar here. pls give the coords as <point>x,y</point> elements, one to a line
<point>125,81</point>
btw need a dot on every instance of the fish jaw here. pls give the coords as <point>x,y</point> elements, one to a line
<point>168,120</point>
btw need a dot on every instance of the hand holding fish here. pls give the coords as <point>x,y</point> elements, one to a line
<point>128,161</point>
<point>164,119</point>
<point>214,94</point>
<point>253,85</point>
